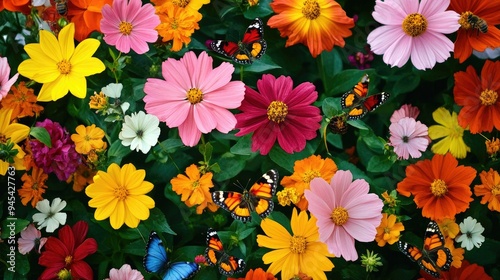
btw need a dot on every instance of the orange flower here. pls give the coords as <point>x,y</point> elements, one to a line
<point>388,231</point>
<point>470,38</point>
<point>86,14</point>
<point>88,138</point>
<point>257,274</point>
<point>465,272</point>
<point>440,186</point>
<point>489,189</point>
<point>22,101</point>
<point>33,187</point>
<point>492,146</point>
<point>479,97</point>
<point>177,24</point>
<point>456,253</point>
<point>449,228</point>
<point>22,6</point>
<point>82,177</point>
<point>318,24</point>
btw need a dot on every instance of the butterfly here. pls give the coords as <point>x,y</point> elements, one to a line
<point>338,124</point>
<point>215,254</point>
<point>357,101</point>
<point>259,198</point>
<point>156,261</point>
<point>434,256</point>
<point>251,47</point>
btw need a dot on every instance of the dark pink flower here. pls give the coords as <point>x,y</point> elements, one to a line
<point>406,110</point>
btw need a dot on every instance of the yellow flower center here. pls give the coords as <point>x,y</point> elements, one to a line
<point>438,187</point>
<point>414,24</point>
<point>311,9</point>
<point>495,190</point>
<point>492,146</point>
<point>64,67</point>
<point>340,216</point>
<point>309,175</point>
<point>464,20</point>
<point>98,101</point>
<point>277,111</point>
<point>64,274</point>
<point>298,244</point>
<point>121,193</point>
<point>195,185</point>
<point>488,97</point>
<point>68,259</point>
<point>125,28</point>
<point>174,24</point>
<point>181,3</point>
<point>194,96</point>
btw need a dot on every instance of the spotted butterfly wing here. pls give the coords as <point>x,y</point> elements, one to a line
<point>259,198</point>
<point>358,103</point>
<point>434,256</point>
<point>251,47</point>
<point>216,256</point>
<point>156,261</point>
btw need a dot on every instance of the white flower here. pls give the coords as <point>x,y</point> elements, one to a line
<point>50,216</point>
<point>471,234</point>
<point>115,91</point>
<point>140,131</point>
<point>38,3</point>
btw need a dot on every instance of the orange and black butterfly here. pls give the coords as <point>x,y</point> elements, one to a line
<point>358,103</point>
<point>338,124</point>
<point>434,256</point>
<point>258,199</point>
<point>215,254</point>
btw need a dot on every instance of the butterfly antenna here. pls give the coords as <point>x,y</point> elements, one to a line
<point>142,236</point>
<point>239,185</point>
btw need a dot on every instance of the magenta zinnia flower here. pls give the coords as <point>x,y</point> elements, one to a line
<point>409,138</point>
<point>345,212</point>
<point>129,25</point>
<point>194,97</point>
<point>279,112</point>
<point>5,82</point>
<point>61,158</point>
<point>413,29</point>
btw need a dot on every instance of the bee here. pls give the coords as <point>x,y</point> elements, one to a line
<point>477,23</point>
<point>62,7</point>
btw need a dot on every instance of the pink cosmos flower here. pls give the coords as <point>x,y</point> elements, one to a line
<point>30,237</point>
<point>279,112</point>
<point>125,273</point>
<point>406,110</point>
<point>345,212</point>
<point>5,82</point>
<point>194,97</point>
<point>413,29</point>
<point>409,138</point>
<point>129,25</point>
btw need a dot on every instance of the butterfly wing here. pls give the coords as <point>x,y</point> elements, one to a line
<point>436,256</point>
<point>215,255</point>
<point>234,202</point>
<point>181,270</point>
<point>156,258</point>
<point>226,48</point>
<point>261,193</point>
<point>353,99</point>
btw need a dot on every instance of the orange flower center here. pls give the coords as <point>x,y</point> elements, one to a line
<point>495,190</point>
<point>414,24</point>
<point>464,20</point>
<point>121,193</point>
<point>194,96</point>
<point>438,187</point>
<point>98,101</point>
<point>311,9</point>
<point>340,216</point>
<point>309,175</point>
<point>181,3</point>
<point>195,185</point>
<point>174,24</point>
<point>298,244</point>
<point>488,97</point>
<point>387,230</point>
<point>277,111</point>
<point>64,67</point>
<point>125,28</point>
<point>492,146</point>
<point>68,259</point>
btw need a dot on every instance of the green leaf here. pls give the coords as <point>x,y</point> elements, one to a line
<point>230,165</point>
<point>117,152</point>
<point>330,65</point>
<point>42,135</point>
<point>406,83</point>
<point>261,10</point>
<point>206,150</point>
<point>15,224</point>
<point>379,163</point>
<point>135,248</point>
<point>262,65</point>
<point>243,146</point>
<point>331,106</point>
<point>158,222</point>
<point>287,160</point>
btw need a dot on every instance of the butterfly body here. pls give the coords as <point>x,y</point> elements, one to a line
<point>216,256</point>
<point>259,198</point>
<point>251,47</point>
<point>359,103</point>
<point>338,124</point>
<point>156,261</point>
<point>434,257</point>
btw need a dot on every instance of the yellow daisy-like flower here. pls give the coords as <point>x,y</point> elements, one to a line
<point>194,188</point>
<point>301,251</point>
<point>59,66</point>
<point>120,194</point>
<point>15,132</point>
<point>449,227</point>
<point>451,132</point>
<point>304,171</point>
<point>388,231</point>
<point>88,138</point>
<point>177,24</point>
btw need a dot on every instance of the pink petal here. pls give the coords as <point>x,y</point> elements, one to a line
<point>189,133</point>
<point>203,117</point>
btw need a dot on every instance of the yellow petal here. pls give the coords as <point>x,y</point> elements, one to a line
<point>67,41</point>
<point>84,50</point>
<point>41,72</point>
<point>87,67</point>
<point>5,115</point>
<point>139,210</point>
<point>3,167</point>
<point>77,85</point>
<point>17,132</point>
<point>50,45</point>
<point>54,90</point>
<point>117,218</point>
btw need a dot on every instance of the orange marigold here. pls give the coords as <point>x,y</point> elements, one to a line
<point>449,227</point>
<point>389,230</point>
<point>33,186</point>
<point>82,177</point>
<point>86,15</point>
<point>440,186</point>
<point>257,274</point>
<point>492,146</point>
<point>177,24</point>
<point>456,253</point>
<point>22,101</point>
<point>489,189</point>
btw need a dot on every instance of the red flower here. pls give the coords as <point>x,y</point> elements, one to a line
<point>67,252</point>
<point>466,271</point>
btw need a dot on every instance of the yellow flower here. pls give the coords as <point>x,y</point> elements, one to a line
<point>287,196</point>
<point>177,24</point>
<point>388,231</point>
<point>301,251</point>
<point>194,189</point>
<point>120,194</point>
<point>15,132</point>
<point>98,101</point>
<point>304,171</point>
<point>451,132</point>
<point>59,66</point>
<point>88,138</point>
<point>448,227</point>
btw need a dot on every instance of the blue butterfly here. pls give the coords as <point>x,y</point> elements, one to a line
<point>156,261</point>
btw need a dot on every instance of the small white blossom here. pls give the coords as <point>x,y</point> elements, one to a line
<point>113,90</point>
<point>140,131</point>
<point>471,234</point>
<point>49,215</point>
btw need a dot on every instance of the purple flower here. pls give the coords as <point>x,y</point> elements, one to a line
<point>62,158</point>
<point>362,60</point>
